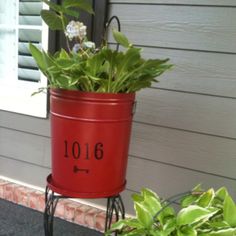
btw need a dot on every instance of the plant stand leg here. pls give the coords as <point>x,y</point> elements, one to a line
<point>115,211</point>
<point>50,206</point>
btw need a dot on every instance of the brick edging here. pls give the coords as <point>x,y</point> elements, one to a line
<point>67,209</point>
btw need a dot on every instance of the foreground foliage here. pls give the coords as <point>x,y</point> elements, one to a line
<point>86,68</point>
<point>202,213</point>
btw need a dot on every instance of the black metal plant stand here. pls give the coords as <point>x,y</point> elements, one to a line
<point>115,210</point>
<point>115,207</point>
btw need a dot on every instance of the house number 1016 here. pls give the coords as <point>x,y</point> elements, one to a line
<point>76,150</point>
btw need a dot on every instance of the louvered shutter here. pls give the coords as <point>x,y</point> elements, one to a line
<point>7,38</point>
<point>30,27</point>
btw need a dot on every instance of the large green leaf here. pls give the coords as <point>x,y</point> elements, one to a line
<point>137,197</point>
<point>222,193</point>
<point>137,232</point>
<point>143,215</point>
<point>65,64</point>
<point>193,214</point>
<point>188,200</point>
<point>53,20</point>
<point>186,231</point>
<point>219,224</point>
<point>70,12</point>
<point>229,211</point>
<point>119,224</point>
<point>82,4</point>
<point>95,64</point>
<point>121,38</point>
<point>63,54</point>
<point>154,232</point>
<point>206,198</point>
<point>38,57</point>
<point>131,223</point>
<point>49,61</point>
<point>66,82</point>
<point>145,192</point>
<point>221,232</point>
<point>53,6</point>
<point>169,225</point>
<point>152,205</point>
<point>126,66</point>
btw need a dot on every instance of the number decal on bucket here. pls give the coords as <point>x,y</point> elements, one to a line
<point>98,151</point>
<point>77,151</point>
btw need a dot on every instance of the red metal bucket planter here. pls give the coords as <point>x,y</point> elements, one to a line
<point>90,141</point>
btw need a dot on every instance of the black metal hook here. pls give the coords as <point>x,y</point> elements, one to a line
<point>118,26</point>
<point>170,201</point>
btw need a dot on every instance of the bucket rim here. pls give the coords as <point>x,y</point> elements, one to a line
<point>82,194</point>
<point>84,95</point>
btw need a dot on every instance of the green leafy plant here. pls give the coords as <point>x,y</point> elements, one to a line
<point>202,213</point>
<point>86,68</point>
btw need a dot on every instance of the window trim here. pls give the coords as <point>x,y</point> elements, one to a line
<point>15,95</point>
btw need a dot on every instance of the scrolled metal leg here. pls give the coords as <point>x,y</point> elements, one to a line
<point>115,208</point>
<point>50,206</point>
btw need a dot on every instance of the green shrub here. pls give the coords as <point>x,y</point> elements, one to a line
<point>202,213</point>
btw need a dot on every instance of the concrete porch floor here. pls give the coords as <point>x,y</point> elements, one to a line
<point>16,220</point>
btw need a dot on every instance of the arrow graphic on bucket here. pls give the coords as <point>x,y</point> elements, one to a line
<point>76,169</point>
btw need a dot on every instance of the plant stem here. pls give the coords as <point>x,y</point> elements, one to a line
<point>110,76</point>
<point>64,29</point>
<point>79,41</point>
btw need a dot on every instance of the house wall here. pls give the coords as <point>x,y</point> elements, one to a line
<point>184,129</point>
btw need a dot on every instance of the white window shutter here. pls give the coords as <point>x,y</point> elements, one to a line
<point>30,24</point>
<point>20,23</point>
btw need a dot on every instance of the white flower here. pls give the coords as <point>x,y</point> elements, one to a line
<point>76,48</point>
<point>89,44</point>
<point>76,29</point>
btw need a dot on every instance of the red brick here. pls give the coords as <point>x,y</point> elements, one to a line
<point>36,200</point>
<point>70,208</point>
<point>90,215</point>
<point>100,221</point>
<point>80,213</point>
<point>8,191</point>
<point>1,191</point>
<point>67,209</point>
<point>20,195</point>
<point>41,203</point>
<point>2,184</point>
<point>60,208</point>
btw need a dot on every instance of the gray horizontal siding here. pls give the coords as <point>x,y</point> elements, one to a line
<point>193,112</point>
<point>24,123</point>
<point>179,2</point>
<point>25,147</point>
<point>197,72</point>
<point>169,180</point>
<point>200,152</point>
<point>23,171</point>
<point>195,28</point>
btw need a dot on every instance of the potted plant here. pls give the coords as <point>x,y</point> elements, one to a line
<point>202,213</point>
<point>92,104</point>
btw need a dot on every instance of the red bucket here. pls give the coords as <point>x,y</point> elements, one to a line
<point>90,140</point>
